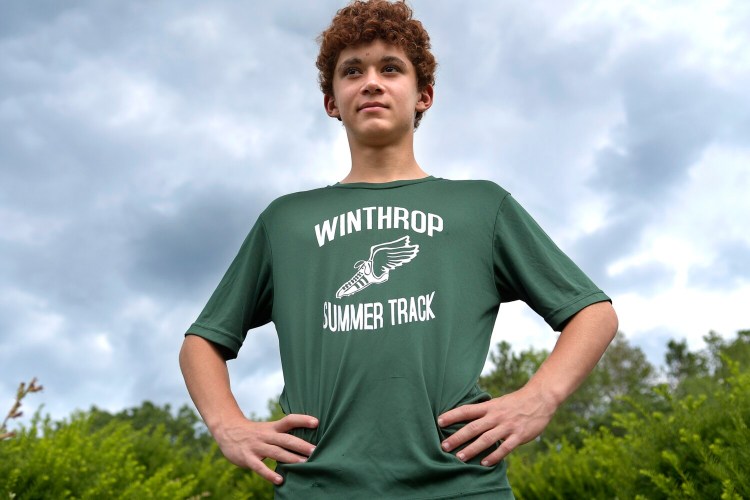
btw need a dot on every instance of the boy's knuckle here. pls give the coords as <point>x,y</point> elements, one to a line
<point>473,426</point>
<point>486,439</point>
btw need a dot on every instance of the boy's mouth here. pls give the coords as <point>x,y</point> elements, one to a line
<point>368,105</point>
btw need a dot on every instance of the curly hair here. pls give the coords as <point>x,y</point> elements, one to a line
<point>365,21</point>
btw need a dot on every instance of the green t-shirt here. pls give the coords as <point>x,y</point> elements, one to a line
<point>384,298</point>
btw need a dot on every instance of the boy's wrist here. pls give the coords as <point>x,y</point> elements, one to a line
<point>552,397</point>
<point>220,423</point>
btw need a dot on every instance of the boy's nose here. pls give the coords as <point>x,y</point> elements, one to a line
<point>372,85</point>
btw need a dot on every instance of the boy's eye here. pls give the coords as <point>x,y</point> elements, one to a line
<point>391,69</point>
<point>351,71</point>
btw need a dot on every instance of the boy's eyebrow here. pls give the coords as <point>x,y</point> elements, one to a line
<point>350,61</point>
<point>385,59</point>
<point>393,59</point>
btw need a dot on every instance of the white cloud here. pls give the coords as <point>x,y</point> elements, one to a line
<point>715,198</point>
<point>704,213</point>
<point>129,137</point>
<point>29,229</point>
<point>101,342</point>
<point>690,311</point>
<point>42,326</point>
<point>199,27</point>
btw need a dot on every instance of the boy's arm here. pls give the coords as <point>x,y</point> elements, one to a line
<point>521,416</point>
<point>244,442</point>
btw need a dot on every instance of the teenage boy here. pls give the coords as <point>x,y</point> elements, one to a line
<point>384,289</point>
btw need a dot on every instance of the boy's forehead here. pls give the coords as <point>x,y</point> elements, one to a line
<point>376,49</point>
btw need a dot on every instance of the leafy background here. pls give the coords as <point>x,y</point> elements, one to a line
<point>631,431</point>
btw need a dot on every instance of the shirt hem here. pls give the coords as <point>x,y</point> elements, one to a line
<point>216,336</point>
<point>448,496</point>
<point>560,317</point>
<point>471,493</point>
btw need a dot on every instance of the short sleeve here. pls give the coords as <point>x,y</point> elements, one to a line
<point>244,297</point>
<point>530,267</point>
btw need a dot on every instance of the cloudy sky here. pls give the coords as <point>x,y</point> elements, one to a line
<point>140,140</point>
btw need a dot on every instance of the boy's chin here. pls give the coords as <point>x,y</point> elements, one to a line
<point>378,133</point>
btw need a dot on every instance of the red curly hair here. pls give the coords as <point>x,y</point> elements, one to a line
<point>365,21</point>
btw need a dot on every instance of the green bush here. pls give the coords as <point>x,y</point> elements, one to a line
<point>86,457</point>
<point>619,437</point>
<point>698,448</point>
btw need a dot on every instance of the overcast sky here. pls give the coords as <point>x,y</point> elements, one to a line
<point>140,140</point>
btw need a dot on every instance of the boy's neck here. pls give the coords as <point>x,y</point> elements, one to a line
<point>377,164</point>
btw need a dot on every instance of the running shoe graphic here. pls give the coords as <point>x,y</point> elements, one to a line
<point>392,255</point>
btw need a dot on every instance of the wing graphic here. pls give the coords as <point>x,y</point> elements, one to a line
<point>393,254</point>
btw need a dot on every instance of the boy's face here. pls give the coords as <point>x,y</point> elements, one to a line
<point>375,93</point>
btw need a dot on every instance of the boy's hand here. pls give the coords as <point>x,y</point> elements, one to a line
<point>514,419</point>
<point>521,416</point>
<point>246,443</point>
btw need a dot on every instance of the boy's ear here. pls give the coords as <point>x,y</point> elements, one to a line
<point>425,98</point>
<point>330,104</point>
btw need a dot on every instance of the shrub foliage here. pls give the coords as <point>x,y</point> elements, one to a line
<point>144,452</point>
<point>629,432</point>
<point>688,439</point>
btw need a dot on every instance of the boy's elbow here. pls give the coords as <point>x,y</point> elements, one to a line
<point>599,318</point>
